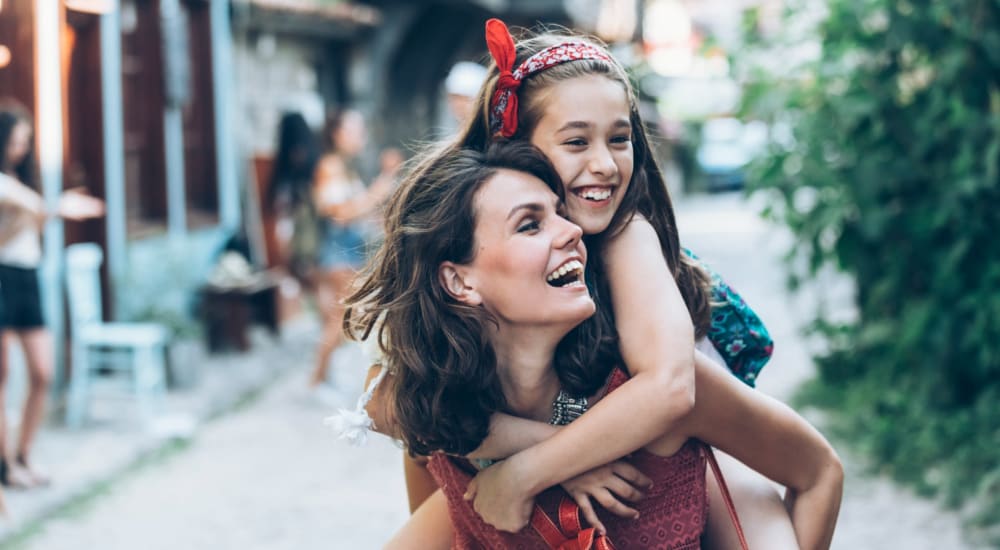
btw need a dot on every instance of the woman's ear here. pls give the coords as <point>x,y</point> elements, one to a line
<point>453,278</point>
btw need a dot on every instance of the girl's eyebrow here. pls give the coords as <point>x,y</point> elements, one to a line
<point>582,125</point>
<point>574,124</point>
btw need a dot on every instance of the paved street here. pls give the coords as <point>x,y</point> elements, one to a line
<point>270,476</point>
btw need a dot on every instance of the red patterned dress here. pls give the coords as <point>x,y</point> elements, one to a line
<point>672,516</point>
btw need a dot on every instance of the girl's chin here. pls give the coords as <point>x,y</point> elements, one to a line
<point>593,226</point>
<point>591,222</point>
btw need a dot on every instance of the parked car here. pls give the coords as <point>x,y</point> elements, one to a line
<point>727,146</point>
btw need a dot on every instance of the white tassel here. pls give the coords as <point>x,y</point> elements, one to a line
<point>350,425</point>
<point>355,425</point>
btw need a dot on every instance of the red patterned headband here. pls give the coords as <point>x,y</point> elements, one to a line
<point>503,105</point>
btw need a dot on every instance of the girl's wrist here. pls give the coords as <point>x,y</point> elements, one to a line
<point>527,477</point>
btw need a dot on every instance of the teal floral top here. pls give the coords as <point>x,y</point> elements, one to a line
<point>737,332</point>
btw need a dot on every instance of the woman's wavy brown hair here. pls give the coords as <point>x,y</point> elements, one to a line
<point>444,385</point>
<point>647,193</point>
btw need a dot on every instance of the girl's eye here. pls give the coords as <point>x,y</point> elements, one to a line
<point>575,142</point>
<point>621,139</point>
<point>527,226</point>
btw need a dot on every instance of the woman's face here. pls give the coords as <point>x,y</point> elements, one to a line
<point>19,144</point>
<point>586,133</point>
<point>351,135</point>
<point>529,259</point>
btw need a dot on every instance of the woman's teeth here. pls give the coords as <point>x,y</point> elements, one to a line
<point>596,194</point>
<point>566,274</point>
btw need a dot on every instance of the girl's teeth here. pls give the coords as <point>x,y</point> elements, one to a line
<point>596,195</point>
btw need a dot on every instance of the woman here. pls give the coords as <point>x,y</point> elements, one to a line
<point>344,204</point>
<point>288,202</point>
<point>24,214</point>
<point>568,96</point>
<point>480,291</point>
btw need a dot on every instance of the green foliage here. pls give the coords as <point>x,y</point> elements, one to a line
<point>890,172</point>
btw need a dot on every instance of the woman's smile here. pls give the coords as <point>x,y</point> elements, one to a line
<point>529,261</point>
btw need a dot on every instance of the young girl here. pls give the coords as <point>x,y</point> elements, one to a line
<point>572,100</point>
<point>344,203</point>
<point>478,282</point>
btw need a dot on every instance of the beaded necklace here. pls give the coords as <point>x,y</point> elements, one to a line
<point>567,408</point>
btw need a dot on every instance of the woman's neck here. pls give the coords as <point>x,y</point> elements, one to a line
<point>527,375</point>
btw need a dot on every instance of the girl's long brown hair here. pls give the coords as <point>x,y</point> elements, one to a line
<point>647,194</point>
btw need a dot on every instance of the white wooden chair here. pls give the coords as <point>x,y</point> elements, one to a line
<point>135,350</point>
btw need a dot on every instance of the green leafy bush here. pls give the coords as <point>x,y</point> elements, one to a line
<point>890,172</point>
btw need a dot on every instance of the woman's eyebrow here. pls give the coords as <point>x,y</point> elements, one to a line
<point>532,206</point>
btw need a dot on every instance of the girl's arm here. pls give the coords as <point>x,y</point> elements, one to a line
<point>22,197</point>
<point>508,434</point>
<point>774,440</point>
<point>657,344</point>
<point>331,173</point>
<point>608,484</point>
<point>73,204</point>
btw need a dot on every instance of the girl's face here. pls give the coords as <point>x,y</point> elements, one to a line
<point>585,132</point>
<point>529,259</point>
<point>351,135</point>
<point>19,144</point>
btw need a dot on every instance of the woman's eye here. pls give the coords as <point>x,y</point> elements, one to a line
<point>528,226</point>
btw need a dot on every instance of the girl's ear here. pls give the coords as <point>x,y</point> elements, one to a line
<point>454,279</point>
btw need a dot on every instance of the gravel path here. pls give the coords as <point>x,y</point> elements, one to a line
<point>269,476</point>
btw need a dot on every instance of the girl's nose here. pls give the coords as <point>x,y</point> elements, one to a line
<point>602,162</point>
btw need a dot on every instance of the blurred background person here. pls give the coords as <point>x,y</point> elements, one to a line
<point>461,88</point>
<point>345,206</point>
<point>288,201</point>
<point>24,215</point>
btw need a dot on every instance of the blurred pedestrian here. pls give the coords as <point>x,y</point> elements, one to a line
<point>23,213</point>
<point>345,206</point>
<point>288,201</point>
<point>462,88</point>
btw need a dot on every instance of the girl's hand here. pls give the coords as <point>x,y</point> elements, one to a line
<point>609,485</point>
<point>390,160</point>
<point>77,205</point>
<point>497,497</point>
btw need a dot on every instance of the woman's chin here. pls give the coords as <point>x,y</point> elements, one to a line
<point>585,311</point>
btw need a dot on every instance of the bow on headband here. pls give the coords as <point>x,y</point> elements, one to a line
<point>503,105</point>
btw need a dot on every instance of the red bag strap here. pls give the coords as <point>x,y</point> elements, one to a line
<point>569,534</point>
<point>726,497</point>
<point>546,528</point>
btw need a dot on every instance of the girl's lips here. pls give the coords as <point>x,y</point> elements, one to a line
<point>594,196</point>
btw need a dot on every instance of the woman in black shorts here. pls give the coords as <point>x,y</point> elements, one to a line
<point>22,217</point>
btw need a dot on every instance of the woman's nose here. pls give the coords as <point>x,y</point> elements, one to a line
<point>569,234</point>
